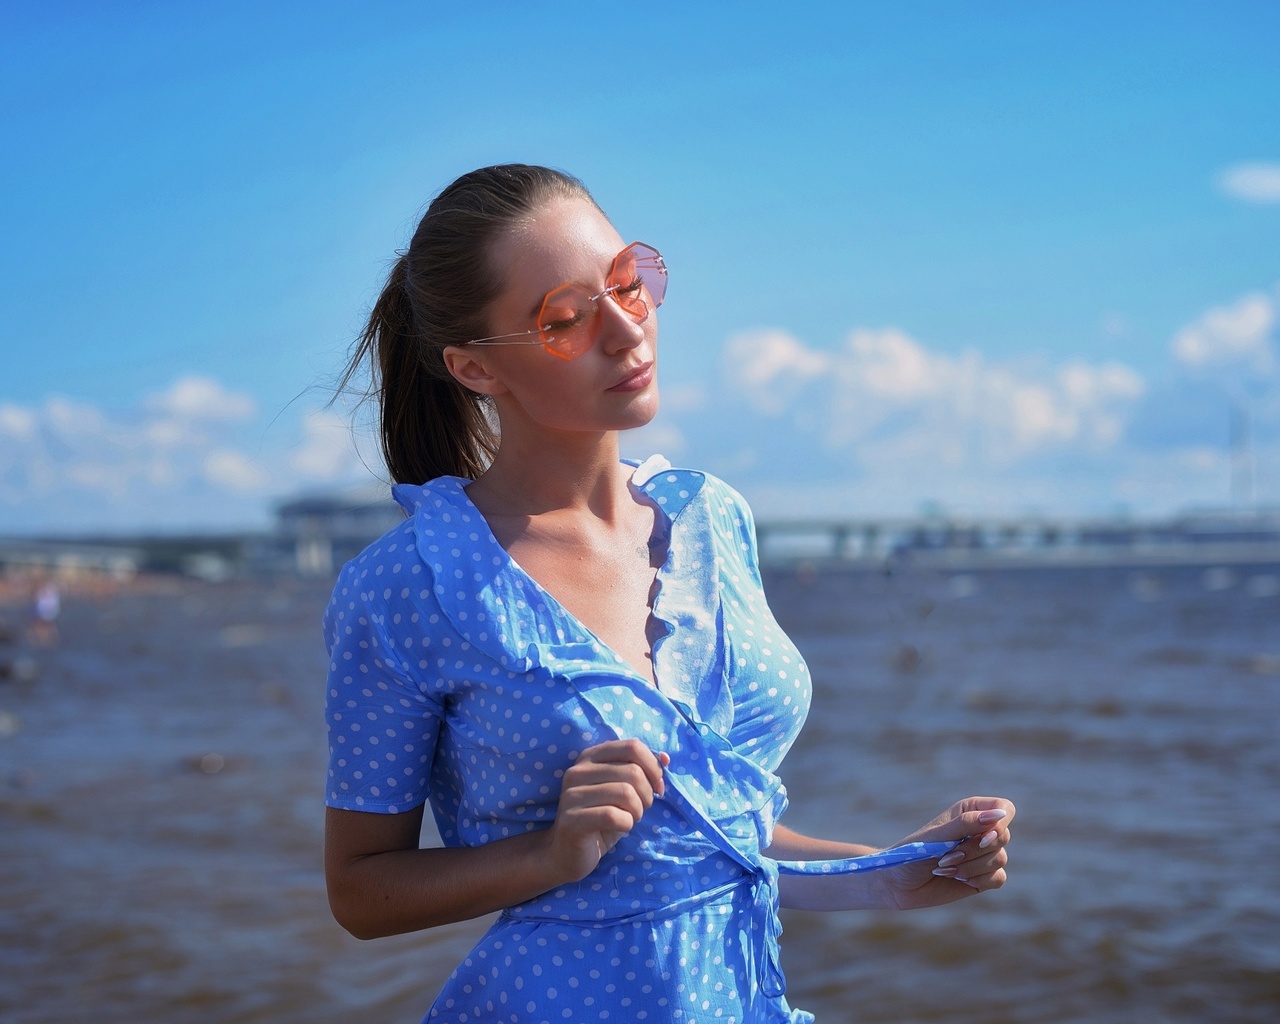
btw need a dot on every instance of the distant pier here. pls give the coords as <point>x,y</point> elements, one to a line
<point>314,536</point>
<point>960,543</point>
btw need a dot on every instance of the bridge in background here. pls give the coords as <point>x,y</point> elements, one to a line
<point>1202,539</point>
<point>314,536</point>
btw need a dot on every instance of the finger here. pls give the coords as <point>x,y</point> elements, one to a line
<point>610,773</point>
<point>633,752</point>
<point>976,846</point>
<point>979,816</point>
<point>995,839</point>
<point>606,820</point>
<point>988,810</point>
<point>985,883</point>
<point>620,795</point>
<point>982,865</point>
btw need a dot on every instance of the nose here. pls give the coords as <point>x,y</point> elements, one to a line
<point>619,331</point>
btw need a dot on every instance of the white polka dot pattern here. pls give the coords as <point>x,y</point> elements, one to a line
<point>455,678</point>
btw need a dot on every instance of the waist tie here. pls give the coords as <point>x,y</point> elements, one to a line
<point>762,873</point>
<point>763,883</point>
<point>764,891</point>
<point>665,912</point>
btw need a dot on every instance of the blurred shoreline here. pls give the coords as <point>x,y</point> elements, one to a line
<point>313,537</point>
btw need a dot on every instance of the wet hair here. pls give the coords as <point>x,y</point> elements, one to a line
<point>438,294</point>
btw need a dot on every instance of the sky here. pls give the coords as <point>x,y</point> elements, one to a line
<point>981,259</point>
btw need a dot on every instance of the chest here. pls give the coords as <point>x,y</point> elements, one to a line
<point>608,588</point>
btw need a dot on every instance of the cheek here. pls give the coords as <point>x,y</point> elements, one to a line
<point>552,393</point>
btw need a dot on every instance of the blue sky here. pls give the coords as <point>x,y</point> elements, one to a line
<point>992,258</point>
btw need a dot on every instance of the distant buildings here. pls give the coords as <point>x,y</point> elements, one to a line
<point>70,558</point>
<point>325,532</point>
<point>315,535</point>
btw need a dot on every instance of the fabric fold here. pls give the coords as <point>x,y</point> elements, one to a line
<point>456,677</point>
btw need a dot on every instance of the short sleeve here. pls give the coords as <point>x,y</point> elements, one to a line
<point>742,528</point>
<point>383,725</point>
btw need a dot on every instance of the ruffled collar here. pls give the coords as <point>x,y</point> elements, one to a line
<point>488,597</point>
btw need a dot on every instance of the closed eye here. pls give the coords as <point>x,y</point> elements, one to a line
<point>565,323</point>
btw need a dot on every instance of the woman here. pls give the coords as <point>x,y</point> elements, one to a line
<point>570,657</point>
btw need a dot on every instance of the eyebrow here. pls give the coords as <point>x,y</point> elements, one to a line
<point>537,308</point>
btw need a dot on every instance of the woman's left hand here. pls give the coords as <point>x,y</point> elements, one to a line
<point>974,866</point>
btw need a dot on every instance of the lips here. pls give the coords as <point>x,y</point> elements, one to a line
<point>638,378</point>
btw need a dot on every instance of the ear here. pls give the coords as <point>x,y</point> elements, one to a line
<point>470,369</point>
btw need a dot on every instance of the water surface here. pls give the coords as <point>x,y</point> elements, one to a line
<point>161,777</point>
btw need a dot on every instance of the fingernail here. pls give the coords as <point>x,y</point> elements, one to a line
<point>945,872</point>
<point>951,859</point>
<point>987,840</point>
<point>987,817</point>
<point>664,757</point>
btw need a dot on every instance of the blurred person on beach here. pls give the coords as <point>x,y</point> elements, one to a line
<point>46,606</point>
<point>569,656</point>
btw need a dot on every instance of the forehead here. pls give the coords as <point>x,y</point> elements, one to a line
<point>564,240</point>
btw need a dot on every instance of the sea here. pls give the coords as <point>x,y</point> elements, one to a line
<point>161,773</point>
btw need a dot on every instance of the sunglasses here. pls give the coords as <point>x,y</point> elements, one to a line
<point>569,317</point>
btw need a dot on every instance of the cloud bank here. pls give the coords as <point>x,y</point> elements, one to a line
<point>195,455</point>
<point>879,423</point>
<point>884,423</point>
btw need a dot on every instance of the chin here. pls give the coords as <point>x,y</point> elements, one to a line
<point>642,411</point>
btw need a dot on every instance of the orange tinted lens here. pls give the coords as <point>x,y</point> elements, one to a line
<point>628,288</point>
<point>567,321</point>
<point>640,278</point>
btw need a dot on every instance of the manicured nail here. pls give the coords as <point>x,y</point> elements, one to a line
<point>987,840</point>
<point>951,859</point>
<point>987,817</point>
<point>664,757</point>
<point>945,872</point>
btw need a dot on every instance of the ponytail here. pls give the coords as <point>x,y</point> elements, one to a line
<point>430,425</point>
<point>437,295</point>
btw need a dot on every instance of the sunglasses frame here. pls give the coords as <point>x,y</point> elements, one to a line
<point>541,332</point>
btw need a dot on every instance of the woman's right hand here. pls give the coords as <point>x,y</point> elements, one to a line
<point>602,797</point>
<point>380,883</point>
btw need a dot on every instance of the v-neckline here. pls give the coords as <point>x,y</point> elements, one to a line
<point>665,627</point>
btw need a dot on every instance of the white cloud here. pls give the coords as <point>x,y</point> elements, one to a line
<point>178,459</point>
<point>770,367</point>
<point>326,452</point>
<point>894,365</point>
<point>203,398</point>
<point>169,433</point>
<point>17,421</point>
<point>1255,182</point>
<point>1238,334</point>
<point>884,391</point>
<point>235,470</point>
<point>73,419</point>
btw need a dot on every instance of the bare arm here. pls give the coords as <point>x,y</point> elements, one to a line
<point>380,883</point>
<point>823,892</point>
<point>976,865</point>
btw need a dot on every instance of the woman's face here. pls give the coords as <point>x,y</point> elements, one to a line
<point>611,386</point>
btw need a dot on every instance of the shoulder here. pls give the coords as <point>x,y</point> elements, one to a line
<point>676,487</point>
<point>390,579</point>
<point>436,507</point>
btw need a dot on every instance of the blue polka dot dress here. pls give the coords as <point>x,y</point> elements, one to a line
<point>456,679</point>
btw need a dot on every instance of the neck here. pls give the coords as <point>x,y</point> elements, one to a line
<point>576,473</point>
